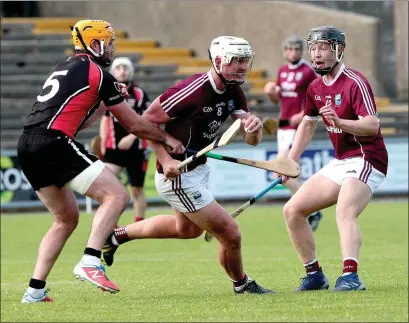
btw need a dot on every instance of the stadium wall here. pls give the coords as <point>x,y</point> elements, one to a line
<point>194,24</point>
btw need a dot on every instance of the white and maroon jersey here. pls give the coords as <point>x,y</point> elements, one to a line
<point>139,101</point>
<point>197,110</point>
<point>294,81</point>
<point>350,95</point>
<point>71,94</point>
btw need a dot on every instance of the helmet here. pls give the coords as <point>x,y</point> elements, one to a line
<point>127,63</point>
<point>294,40</point>
<point>227,48</point>
<point>84,31</point>
<point>330,35</point>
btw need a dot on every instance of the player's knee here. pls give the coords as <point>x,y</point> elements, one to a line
<point>68,221</point>
<point>290,211</point>
<point>120,197</point>
<point>189,231</point>
<point>231,237</point>
<point>345,214</point>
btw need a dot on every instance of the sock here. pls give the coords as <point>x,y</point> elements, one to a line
<point>91,257</point>
<point>36,283</point>
<point>36,288</point>
<point>239,285</point>
<point>283,123</point>
<point>312,267</point>
<point>139,218</point>
<point>350,266</point>
<point>119,236</point>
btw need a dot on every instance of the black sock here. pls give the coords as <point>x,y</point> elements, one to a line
<point>241,282</point>
<point>37,284</point>
<point>92,252</point>
<point>283,123</point>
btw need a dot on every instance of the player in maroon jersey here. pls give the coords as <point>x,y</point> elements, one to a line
<point>121,149</point>
<point>192,111</point>
<point>56,164</point>
<point>343,98</point>
<point>290,88</point>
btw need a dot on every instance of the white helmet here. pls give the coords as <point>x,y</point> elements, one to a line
<point>127,63</point>
<point>227,48</point>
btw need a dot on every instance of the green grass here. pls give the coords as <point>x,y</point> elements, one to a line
<point>181,280</point>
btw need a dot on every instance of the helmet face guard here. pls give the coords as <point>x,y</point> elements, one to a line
<point>235,59</point>
<point>327,35</point>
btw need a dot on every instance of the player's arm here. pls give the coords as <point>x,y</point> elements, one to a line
<point>367,126</point>
<point>103,131</point>
<point>303,136</point>
<point>273,90</point>
<point>129,119</point>
<point>307,127</point>
<point>158,116</point>
<point>251,126</point>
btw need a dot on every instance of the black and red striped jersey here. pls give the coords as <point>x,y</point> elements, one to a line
<point>72,92</point>
<point>139,102</point>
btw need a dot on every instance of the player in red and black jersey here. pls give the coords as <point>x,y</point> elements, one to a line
<point>121,149</point>
<point>55,164</point>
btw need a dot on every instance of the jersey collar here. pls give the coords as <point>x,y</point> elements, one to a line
<point>294,66</point>
<point>214,84</point>
<point>341,69</point>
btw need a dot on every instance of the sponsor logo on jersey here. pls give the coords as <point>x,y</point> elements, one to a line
<point>338,99</point>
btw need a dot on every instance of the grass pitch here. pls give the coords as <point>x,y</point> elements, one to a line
<point>181,280</point>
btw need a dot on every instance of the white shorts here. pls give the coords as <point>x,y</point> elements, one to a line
<point>356,167</point>
<point>285,138</point>
<point>188,192</point>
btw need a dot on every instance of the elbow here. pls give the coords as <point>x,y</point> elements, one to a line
<point>374,129</point>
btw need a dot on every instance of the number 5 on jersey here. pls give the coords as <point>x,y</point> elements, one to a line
<point>55,86</point>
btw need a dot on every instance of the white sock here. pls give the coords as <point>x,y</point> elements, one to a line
<point>35,293</point>
<point>239,288</point>
<point>91,260</point>
<point>114,241</point>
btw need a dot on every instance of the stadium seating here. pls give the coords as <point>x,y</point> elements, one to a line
<point>30,46</point>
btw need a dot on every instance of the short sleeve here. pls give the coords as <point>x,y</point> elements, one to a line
<point>362,97</point>
<point>174,102</point>
<point>109,91</point>
<point>241,107</point>
<point>310,109</point>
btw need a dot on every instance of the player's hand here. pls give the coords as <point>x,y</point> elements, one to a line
<point>273,89</point>
<point>174,145</point>
<point>124,92</point>
<point>252,124</point>
<point>328,113</point>
<point>283,177</point>
<point>170,169</point>
<point>126,142</point>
